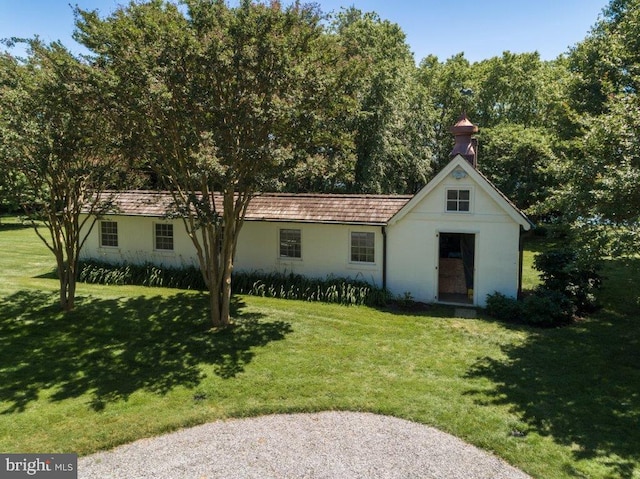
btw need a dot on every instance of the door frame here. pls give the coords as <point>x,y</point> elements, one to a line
<point>452,231</point>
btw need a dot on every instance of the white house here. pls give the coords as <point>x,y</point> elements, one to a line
<point>455,241</point>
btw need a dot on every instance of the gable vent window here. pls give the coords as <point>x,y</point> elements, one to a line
<point>290,243</point>
<point>164,236</point>
<point>459,200</point>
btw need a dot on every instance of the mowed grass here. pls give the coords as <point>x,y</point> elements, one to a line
<point>135,362</point>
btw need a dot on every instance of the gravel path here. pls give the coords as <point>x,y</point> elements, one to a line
<point>323,445</point>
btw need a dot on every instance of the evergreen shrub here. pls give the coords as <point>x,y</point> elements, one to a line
<point>569,281</point>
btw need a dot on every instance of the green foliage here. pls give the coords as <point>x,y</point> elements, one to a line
<point>405,300</point>
<point>569,273</point>
<point>606,62</point>
<point>543,308</point>
<point>601,179</point>
<point>547,308</point>
<point>55,142</point>
<point>569,280</point>
<point>516,159</point>
<point>291,286</point>
<point>272,285</point>
<point>510,89</point>
<point>239,93</point>
<point>97,272</point>
<point>392,144</point>
<point>445,83</point>
<point>504,308</point>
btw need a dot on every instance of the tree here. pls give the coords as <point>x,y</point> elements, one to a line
<point>606,61</point>
<point>220,100</point>
<point>517,160</point>
<point>518,102</point>
<point>448,86</point>
<point>392,137</point>
<point>53,134</point>
<point>602,176</point>
<point>511,88</point>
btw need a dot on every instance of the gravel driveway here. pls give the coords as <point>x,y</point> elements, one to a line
<point>323,445</point>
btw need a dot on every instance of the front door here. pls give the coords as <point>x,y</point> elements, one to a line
<point>456,260</point>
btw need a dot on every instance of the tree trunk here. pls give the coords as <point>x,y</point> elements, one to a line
<point>220,294</point>
<point>225,291</point>
<point>215,244</point>
<point>67,280</point>
<point>215,309</point>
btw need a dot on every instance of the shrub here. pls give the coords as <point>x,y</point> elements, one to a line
<point>547,308</point>
<point>503,307</point>
<point>572,274</point>
<point>147,274</point>
<point>569,280</point>
<point>544,308</point>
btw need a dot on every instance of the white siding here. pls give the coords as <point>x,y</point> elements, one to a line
<point>325,248</point>
<point>325,251</point>
<point>413,244</point>
<point>136,243</point>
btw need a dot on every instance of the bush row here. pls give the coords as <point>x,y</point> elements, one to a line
<point>274,285</point>
<point>293,286</point>
<point>99,272</point>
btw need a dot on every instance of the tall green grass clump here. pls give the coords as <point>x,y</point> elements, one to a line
<point>147,274</point>
<point>294,286</point>
<point>272,285</point>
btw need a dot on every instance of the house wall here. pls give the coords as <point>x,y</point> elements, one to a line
<point>136,243</point>
<point>325,248</point>
<point>413,244</point>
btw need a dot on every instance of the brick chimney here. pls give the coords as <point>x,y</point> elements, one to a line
<point>465,144</point>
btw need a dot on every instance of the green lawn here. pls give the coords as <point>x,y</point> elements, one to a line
<point>133,362</point>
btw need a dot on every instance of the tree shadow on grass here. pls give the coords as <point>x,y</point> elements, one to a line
<point>110,348</point>
<point>579,384</point>
<point>11,224</point>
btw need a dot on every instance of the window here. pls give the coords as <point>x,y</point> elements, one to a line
<point>109,234</point>
<point>164,236</point>
<point>362,247</point>
<point>459,200</point>
<point>290,244</point>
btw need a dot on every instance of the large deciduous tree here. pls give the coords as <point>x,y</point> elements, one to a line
<point>602,179</point>
<point>518,159</point>
<point>447,84</point>
<point>53,132</point>
<point>392,133</point>
<point>220,100</point>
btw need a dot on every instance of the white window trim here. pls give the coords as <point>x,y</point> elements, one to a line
<point>459,188</point>
<point>289,258</point>
<point>350,246</point>
<point>173,237</point>
<point>100,243</point>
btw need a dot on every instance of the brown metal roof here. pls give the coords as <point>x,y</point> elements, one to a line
<point>287,207</point>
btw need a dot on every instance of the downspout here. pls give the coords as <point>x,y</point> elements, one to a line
<point>384,257</point>
<point>520,261</point>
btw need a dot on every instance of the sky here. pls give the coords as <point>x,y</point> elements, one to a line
<point>441,27</point>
